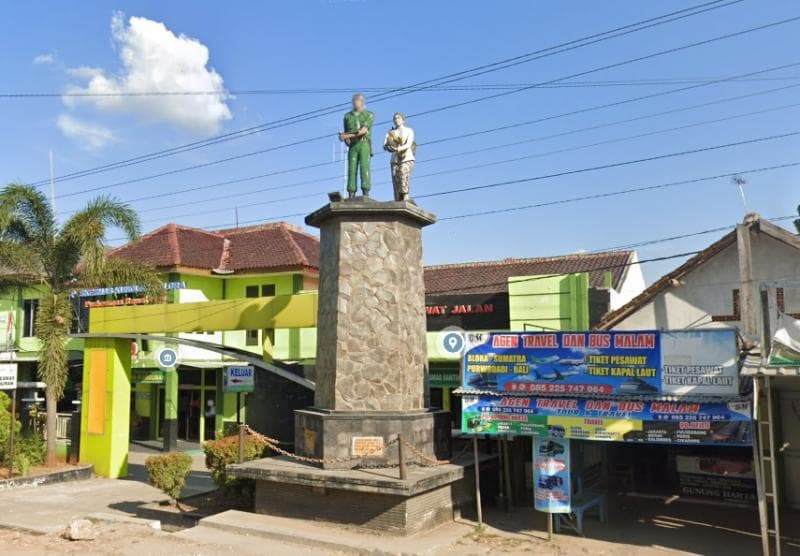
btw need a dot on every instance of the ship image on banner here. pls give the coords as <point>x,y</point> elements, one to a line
<point>606,363</point>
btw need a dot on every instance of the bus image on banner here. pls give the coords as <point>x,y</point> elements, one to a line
<point>581,363</point>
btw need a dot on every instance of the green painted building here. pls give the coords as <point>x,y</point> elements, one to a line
<point>187,402</point>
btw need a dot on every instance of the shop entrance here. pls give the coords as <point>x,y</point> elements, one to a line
<point>197,404</point>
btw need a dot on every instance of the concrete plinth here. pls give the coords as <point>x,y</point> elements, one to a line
<point>323,433</point>
<point>373,499</point>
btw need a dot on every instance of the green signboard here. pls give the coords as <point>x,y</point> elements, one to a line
<point>444,377</point>
<point>147,376</point>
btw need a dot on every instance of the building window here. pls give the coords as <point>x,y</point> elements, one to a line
<point>29,307</point>
<point>251,338</point>
<point>270,333</point>
<point>268,290</point>
<point>251,291</point>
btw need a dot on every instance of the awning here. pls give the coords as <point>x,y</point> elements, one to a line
<point>755,366</point>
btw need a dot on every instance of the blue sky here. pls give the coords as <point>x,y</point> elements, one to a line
<point>355,45</point>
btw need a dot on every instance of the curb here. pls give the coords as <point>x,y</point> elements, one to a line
<point>79,473</point>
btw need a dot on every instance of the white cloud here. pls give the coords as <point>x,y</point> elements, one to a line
<point>47,58</point>
<point>155,59</point>
<point>91,136</point>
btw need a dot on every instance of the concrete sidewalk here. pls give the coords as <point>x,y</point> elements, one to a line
<point>49,508</point>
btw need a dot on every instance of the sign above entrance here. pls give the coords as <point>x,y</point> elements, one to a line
<point>147,376</point>
<point>239,379</point>
<point>8,376</point>
<point>167,358</point>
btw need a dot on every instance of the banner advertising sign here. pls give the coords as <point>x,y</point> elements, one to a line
<point>724,423</point>
<point>564,362</point>
<point>603,363</point>
<point>700,362</point>
<point>729,479</point>
<point>551,466</point>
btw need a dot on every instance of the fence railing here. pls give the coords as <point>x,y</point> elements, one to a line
<point>63,426</point>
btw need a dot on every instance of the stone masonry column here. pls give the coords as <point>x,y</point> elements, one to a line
<point>371,332</point>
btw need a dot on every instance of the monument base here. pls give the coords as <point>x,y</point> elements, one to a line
<point>374,500</point>
<point>337,436</point>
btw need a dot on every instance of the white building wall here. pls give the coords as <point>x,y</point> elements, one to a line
<point>632,285</point>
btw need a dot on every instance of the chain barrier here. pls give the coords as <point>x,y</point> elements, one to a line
<point>424,460</point>
<point>272,443</point>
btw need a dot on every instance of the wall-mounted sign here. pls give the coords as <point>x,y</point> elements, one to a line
<point>551,467</point>
<point>119,290</point>
<point>700,362</point>
<point>147,376</point>
<point>469,312</point>
<point>661,422</point>
<point>729,479</point>
<point>167,358</point>
<point>238,379</point>
<point>365,446</point>
<point>8,376</point>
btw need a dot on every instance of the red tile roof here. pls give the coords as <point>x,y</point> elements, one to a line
<point>492,276</point>
<point>270,247</point>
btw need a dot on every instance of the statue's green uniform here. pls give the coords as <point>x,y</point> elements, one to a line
<point>360,150</point>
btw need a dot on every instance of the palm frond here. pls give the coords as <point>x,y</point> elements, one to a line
<point>87,229</point>
<point>25,214</point>
<point>122,272</point>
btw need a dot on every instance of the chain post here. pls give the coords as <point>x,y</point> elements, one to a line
<point>401,455</point>
<point>241,443</point>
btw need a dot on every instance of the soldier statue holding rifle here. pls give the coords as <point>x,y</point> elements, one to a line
<point>357,135</point>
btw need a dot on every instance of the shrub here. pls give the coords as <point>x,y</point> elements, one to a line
<point>5,422</point>
<point>220,453</point>
<point>30,449</point>
<point>168,472</point>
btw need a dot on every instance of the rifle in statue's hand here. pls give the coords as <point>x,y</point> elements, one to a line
<point>349,136</point>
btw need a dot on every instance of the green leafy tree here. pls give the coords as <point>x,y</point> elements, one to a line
<point>36,251</point>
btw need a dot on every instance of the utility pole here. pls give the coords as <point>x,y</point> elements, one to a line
<point>749,321</point>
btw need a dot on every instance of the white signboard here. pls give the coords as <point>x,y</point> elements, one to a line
<point>700,362</point>
<point>7,330</point>
<point>8,376</point>
<point>239,379</point>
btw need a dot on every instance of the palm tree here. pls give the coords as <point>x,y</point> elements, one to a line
<point>35,250</point>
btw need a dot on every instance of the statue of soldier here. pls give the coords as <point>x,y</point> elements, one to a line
<point>400,142</point>
<point>357,135</point>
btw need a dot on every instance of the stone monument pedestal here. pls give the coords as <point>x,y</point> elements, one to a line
<point>371,382</point>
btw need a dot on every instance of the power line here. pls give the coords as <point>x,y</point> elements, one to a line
<point>548,203</point>
<point>618,192</point>
<point>458,76</point>
<point>307,140</point>
<point>610,165</point>
<point>434,88</point>
<point>442,157</point>
<point>488,164</point>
